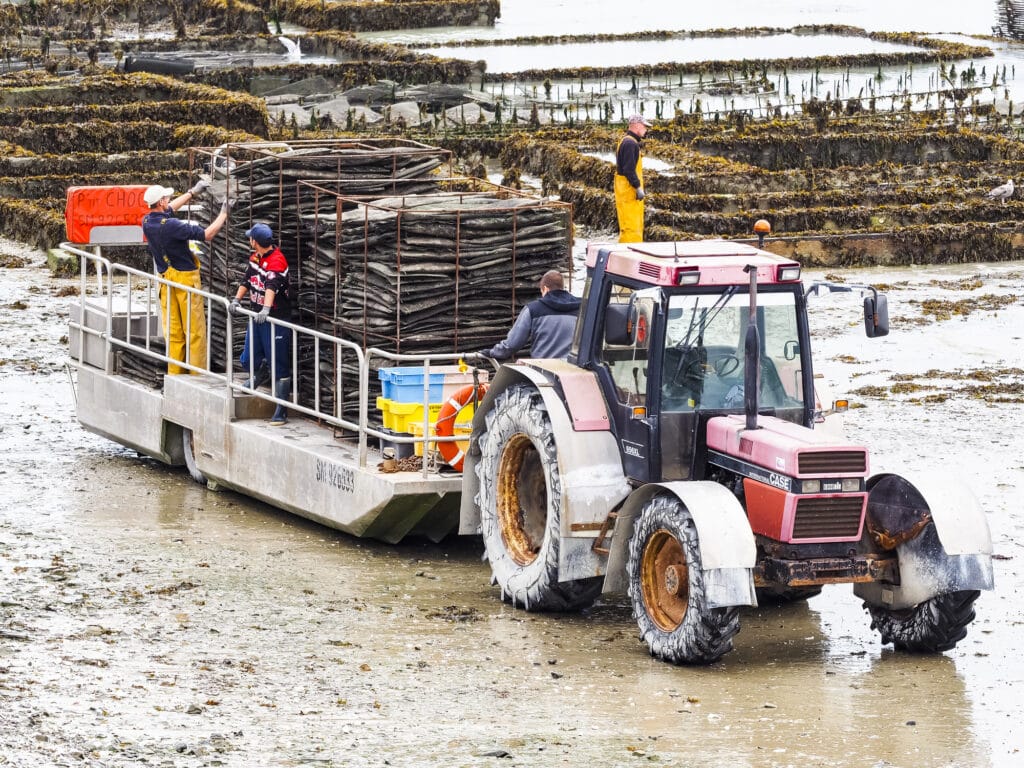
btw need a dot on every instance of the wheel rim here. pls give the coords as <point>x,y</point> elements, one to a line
<point>664,580</point>
<point>522,499</point>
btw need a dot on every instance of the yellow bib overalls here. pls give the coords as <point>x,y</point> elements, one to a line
<point>629,209</point>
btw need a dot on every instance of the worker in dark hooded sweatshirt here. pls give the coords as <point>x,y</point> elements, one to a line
<point>546,325</point>
<point>629,181</point>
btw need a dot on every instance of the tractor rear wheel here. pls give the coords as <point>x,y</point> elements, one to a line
<point>520,503</point>
<point>666,587</point>
<point>933,626</point>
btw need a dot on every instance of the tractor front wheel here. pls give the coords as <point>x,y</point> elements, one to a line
<point>666,587</point>
<point>520,502</point>
<point>933,626</point>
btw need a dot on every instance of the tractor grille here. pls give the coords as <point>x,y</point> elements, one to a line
<point>830,517</point>
<point>831,462</point>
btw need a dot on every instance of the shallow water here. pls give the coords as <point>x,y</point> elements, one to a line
<point>144,618</point>
<point>521,18</point>
<point>509,58</point>
<point>659,96</point>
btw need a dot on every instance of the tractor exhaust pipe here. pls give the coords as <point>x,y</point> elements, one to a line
<point>751,356</point>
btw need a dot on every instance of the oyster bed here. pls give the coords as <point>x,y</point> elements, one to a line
<point>893,173</point>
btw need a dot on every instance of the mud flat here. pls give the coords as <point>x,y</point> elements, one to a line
<point>147,620</point>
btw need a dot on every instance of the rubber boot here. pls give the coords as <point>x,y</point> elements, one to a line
<point>282,391</point>
<point>261,376</point>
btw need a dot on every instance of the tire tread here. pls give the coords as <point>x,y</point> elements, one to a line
<point>534,587</point>
<point>934,626</point>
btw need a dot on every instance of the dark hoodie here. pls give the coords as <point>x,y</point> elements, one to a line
<point>547,324</point>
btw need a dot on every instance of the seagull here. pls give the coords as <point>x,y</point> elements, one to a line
<point>1003,192</point>
<point>294,52</point>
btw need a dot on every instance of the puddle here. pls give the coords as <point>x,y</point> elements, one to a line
<point>650,163</point>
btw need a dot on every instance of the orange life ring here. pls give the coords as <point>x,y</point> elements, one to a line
<point>452,452</point>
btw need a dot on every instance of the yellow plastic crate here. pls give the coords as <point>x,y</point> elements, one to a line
<point>461,428</point>
<point>398,416</point>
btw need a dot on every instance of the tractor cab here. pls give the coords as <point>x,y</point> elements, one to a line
<point>666,329</point>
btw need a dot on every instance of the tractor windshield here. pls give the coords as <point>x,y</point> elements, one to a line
<point>703,361</point>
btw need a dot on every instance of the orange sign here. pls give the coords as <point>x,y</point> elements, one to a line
<point>105,215</point>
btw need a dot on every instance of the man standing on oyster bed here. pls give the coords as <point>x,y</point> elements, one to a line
<point>629,181</point>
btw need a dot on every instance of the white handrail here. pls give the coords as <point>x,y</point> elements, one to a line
<point>125,281</point>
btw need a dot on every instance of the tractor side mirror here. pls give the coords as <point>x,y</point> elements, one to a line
<point>616,324</point>
<point>876,315</point>
<point>791,350</point>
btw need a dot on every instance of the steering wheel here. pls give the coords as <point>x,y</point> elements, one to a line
<point>722,365</point>
<point>725,365</point>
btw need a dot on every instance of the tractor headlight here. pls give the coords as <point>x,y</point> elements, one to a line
<point>788,273</point>
<point>810,486</point>
<point>851,484</point>
<point>687,276</point>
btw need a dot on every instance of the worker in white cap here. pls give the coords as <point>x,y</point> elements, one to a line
<point>167,236</point>
<point>629,181</point>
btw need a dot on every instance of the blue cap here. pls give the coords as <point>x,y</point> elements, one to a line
<point>261,233</point>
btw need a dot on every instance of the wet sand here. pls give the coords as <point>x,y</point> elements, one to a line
<point>147,620</point>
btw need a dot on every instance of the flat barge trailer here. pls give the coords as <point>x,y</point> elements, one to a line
<point>323,467</point>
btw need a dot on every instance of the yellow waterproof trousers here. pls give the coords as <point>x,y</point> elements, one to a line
<point>183,316</point>
<point>629,209</point>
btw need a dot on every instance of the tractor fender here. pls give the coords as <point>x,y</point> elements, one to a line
<point>959,521</point>
<point>727,549</point>
<point>953,554</point>
<point>589,468</point>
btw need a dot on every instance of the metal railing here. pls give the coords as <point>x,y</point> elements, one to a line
<point>134,294</point>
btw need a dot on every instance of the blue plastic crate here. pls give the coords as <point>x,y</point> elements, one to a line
<point>405,384</point>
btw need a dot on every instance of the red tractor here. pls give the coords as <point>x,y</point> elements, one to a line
<point>673,456</point>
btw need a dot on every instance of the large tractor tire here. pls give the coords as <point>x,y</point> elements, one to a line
<point>934,626</point>
<point>899,519</point>
<point>666,586</point>
<point>520,504</point>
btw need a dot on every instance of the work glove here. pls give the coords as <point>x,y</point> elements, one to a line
<point>199,187</point>
<point>640,193</point>
<point>491,357</point>
<point>225,207</point>
<point>235,307</point>
<point>262,315</point>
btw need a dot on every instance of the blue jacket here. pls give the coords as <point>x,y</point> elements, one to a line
<point>167,237</point>
<point>547,324</point>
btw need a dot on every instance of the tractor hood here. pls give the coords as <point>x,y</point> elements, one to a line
<point>785,449</point>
